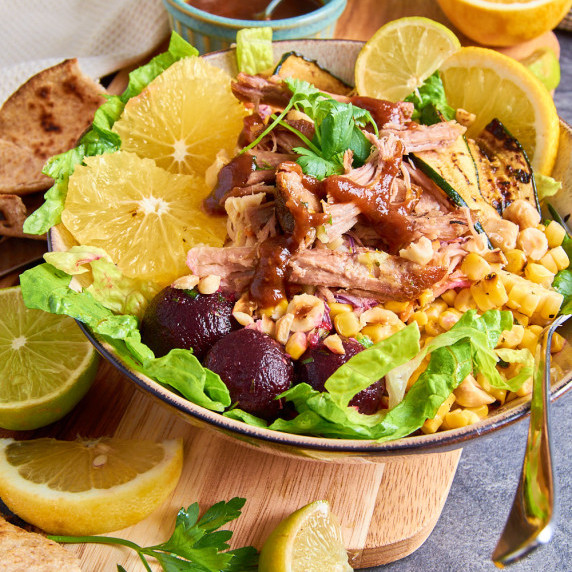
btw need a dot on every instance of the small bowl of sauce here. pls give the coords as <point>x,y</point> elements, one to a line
<point>211,25</point>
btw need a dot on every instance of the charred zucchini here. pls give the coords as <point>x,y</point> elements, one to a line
<point>297,66</point>
<point>454,171</point>
<point>504,171</point>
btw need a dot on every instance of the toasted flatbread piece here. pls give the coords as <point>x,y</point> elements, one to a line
<point>13,213</point>
<point>22,551</point>
<point>45,117</point>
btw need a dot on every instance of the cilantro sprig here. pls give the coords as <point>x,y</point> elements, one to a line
<point>337,128</point>
<point>196,545</point>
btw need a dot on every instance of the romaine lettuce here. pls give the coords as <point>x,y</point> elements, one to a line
<point>254,50</point>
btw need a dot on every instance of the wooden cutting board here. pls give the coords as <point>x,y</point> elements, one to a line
<point>386,510</point>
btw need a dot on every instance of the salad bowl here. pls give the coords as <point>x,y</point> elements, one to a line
<point>339,57</point>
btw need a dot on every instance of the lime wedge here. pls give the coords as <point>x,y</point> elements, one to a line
<point>46,364</point>
<point>544,64</point>
<point>309,540</point>
<point>401,55</point>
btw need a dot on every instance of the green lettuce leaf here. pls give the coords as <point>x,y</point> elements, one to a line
<point>47,288</point>
<point>254,50</point>
<point>430,102</point>
<point>105,282</point>
<point>99,139</point>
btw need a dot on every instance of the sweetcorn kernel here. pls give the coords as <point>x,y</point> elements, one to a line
<point>511,338</point>
<point>560,258</point>
<point>338,308</point>
<point>449,297</point>
<point>347,324</point>
<point>482,411</point>
<point>433,328</point>
<point>555,234</point>
<point>396,307</point>
<point>549,263</point>
<point>459,418</point>
<point>516,259</point>
<point>557,343</point>
<point>377,332</point>
<point>464,300</point>
<point>538,274</point>
<point>432,425</point>
<point>436,309</point>
<point>550,305</point>
<point>449,318</point>
<point>296,345</point>
<point>475,267</point>
<point>420,317</point>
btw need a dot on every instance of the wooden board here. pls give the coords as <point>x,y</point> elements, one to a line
<point>386,510</point>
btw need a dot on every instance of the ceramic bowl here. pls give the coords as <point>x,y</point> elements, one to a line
<point>208,32</point>
<point>339,56</point>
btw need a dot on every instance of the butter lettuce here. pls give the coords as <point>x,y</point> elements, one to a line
<point>99,138</point>
<point>48,288</point>
<point>254,50</point>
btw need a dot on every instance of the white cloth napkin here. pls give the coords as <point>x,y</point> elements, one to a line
<point>105,35</point>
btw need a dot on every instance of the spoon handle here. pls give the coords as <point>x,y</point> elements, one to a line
<point>529,522</point>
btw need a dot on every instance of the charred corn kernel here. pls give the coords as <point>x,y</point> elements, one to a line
<point>555,234</point>
<point>425,297</point>
<point>209,284</point>
<point>497,393</point>
<point>433,328</point>
<point>481,299</point>
<point>419,317</point>
<point>449,297</point>
<point>523,299</point>
<point>549,263</point>
<point>436,309</point>
<point>533,242</point>
<point>397,307</point>
<point>557,343</point>
<point>464,300</point>
<point>560,258</point>
<point>432,425</point>
<point>338,308</point>
<point>550,305</point>
<point>347,324</point>
<point>516,259</point>
<point>475,267</point>
<point>296,345</point>
<point>335,345</point>
<point>520,318</point>
<point>538,274</point>
<point>482,411</point>
<point>449,318</point>
<point>377,332</point>
<point>459,418</point>
<point>511,338</point>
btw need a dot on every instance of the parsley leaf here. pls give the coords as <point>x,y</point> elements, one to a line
<point>196,545</point>
<point>430,102</point>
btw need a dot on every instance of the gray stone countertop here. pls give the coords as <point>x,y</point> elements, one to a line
<point>484,486</point>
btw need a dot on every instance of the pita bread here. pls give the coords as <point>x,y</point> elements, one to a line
<point>13,213</point>
<point>22,551</point>
<point>45,117</point>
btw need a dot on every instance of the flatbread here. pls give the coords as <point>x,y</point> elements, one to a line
<point>13,213</point>
<point>22,551</point>
<point>45,117</point>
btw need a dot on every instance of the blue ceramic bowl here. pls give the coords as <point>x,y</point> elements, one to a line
<point>209,33</point>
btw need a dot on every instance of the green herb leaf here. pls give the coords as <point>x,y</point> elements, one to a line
<point>430,102</point>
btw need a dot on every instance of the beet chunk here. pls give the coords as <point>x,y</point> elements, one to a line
<point>318,363</point>
<point>185,319</point>
<point>255,368</point>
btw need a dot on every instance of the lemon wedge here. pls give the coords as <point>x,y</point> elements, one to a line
<point>87,487</point>
<point>401,55</point>
<point>492,85</point>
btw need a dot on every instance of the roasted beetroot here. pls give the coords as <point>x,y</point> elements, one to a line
<point>255,368</point>
<point>185,319</point>
<point>318,363</point>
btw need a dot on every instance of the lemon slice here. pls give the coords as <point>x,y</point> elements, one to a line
<point>144,217</point>
<point>46,364</point>
<point>504,22</point>
<point>87,487</point>
<point>183,118</point>
<point>309,540</point>
<point>492,85</point>
<point>401,55</point>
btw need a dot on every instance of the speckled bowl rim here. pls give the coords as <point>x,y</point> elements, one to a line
<point>288,443</point>
<point>327,10</point>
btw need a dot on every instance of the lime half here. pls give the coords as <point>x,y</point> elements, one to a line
<point>401,55</point>
<point>46,364</point>
<point>309,540</point>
